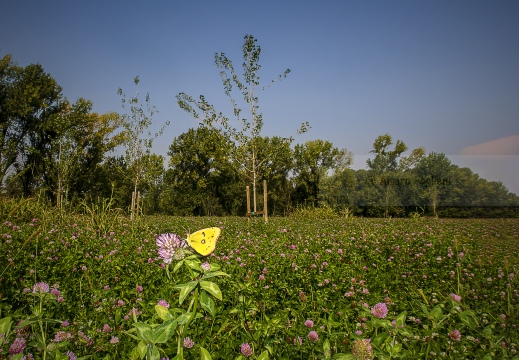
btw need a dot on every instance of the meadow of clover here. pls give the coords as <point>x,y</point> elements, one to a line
<point>96,287</point>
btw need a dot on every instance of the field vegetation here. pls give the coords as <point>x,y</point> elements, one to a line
<point>301,287</point>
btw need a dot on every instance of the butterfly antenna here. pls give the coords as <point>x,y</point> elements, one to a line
<point>187,232</point>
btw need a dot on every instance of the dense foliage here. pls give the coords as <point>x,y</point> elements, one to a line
<point>300,287</point>
<point>62,151</point>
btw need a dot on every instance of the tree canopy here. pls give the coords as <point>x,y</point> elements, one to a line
<point>62,151</point>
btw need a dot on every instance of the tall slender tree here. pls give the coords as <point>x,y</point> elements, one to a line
<point>139,139</point>
<point>245,137</point>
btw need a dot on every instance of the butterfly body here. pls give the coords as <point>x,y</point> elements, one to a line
<point>204,241</point>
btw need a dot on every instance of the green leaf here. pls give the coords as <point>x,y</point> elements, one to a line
<point>341,356</point>
<point>59,356</point>
<point>380,338</point>
<point>436,312</point>
<point>178,265</point>
<point>487,356</point>
<point>327,349</point>
<point>214,273</point>
<point>17,357</point>
<point>264,355</point>
<point>396,348</point>
<point>487,331</point>
<point>204,354</point>
<point>183,319</point>
<point>118,315</point>
<point>207,303</point>
<point>193,264</point>
<point>5,325</point>
<point>185,290</point>
<point>144,332</point>
<point>214,267</point>
<point>163,312</point>
<point>136,353</point>
<point>153,353</point>
<point>176,310</point>
<point>400,319</point>
<point>164,331</point>
<point>424,309</point>
<point>468,318</point>
<point>405,332</point>
<point>406,354</point>
<point>129,333</point>
<point>211,288</point>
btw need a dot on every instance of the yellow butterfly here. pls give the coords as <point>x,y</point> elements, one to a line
<point>204,241</point>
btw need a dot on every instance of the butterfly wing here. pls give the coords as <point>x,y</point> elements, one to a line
<point>204,241</point>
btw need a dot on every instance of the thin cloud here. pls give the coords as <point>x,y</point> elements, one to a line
<point>508,145</point>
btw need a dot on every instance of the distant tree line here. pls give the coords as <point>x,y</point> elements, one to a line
<point>63,152</point>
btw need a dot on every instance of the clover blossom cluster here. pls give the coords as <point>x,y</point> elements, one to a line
<point>313,336</point>
<point>379,310</point>
<point>362,349</point>
<point>455,297</point>
<point>171,247</point>
<point>246,350</point>
<point>188,343</point>
<point>17,346</point>
<point>41,287</point>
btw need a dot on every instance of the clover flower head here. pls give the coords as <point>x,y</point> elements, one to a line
<point>171,247</point>
<point>379,310</point>
<point>62,336</point>
<point>313,336</point>
<point>455,297</point>
<point>17,346</point>
<point>309,323</point>
<point>362,349</point>
<point>246,350</point>
<point>163,303</point>
<point>40,287</point>
<point>455,335</point>
<point>188,343</point>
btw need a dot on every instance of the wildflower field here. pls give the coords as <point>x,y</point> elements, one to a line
<point>294,288</point>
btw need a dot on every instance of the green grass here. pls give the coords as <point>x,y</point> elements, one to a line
<point>329,270</point>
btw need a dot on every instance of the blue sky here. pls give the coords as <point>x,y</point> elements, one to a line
<point>439,74</point>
